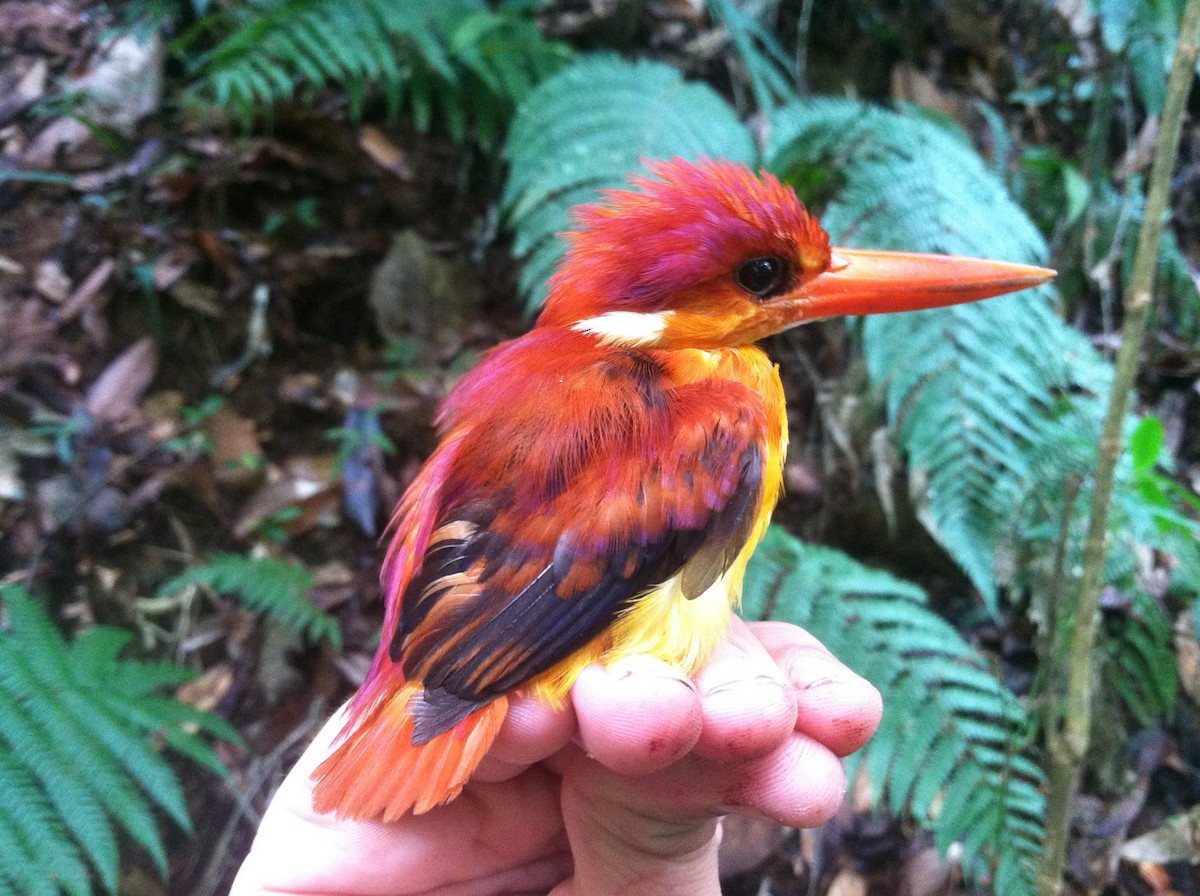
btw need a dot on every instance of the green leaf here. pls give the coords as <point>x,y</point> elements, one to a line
<point>969,389</point>
<point>1145,445</point>
<point>767,66</point>
<point>1078,193</point>
<point>78,759</point>
<point>418,54</point>
<point>267,584</point>
<point>1115,17</point>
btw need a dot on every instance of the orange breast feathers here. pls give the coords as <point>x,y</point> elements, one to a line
<point>572,479</point>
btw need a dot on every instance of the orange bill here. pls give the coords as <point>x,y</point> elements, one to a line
<point>865,281</point>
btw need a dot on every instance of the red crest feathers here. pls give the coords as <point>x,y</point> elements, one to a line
<point>682,225</point>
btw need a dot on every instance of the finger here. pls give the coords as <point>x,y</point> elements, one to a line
<point>801,784</point>
<point>749,706</point>
<point>531,732</point>
<point>624,842</point>
<point>835,707</point>
<point>636,716</point>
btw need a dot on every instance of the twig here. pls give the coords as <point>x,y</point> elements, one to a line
<point>1052,608</point>
<point>803,25</point>
<point>1065,763</point>
<point>258,340</point>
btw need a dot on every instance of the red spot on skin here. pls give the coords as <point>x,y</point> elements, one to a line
<point>852,735</point>
<point>743,744</point>
<point>656,745</point>
<point>736,795</point>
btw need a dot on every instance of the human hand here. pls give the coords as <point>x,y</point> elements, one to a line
<point>621,792</point>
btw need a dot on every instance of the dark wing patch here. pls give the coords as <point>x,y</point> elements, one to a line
<point>436,710</point>
<point>727,533</point>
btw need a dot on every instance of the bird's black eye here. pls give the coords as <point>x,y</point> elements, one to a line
<point>761,276</point>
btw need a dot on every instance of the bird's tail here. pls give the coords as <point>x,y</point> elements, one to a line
<point>377,772</point>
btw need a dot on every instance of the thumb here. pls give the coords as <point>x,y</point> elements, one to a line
<point>619,849</point>
<point>632,826</point>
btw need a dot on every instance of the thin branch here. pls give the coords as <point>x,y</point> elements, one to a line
<point>1064,768</point>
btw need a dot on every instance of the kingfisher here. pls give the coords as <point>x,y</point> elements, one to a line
<point>601,482</point>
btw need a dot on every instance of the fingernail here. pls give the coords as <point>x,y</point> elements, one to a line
<point>737,684</point>
<point>821,682</point>
<point>639,665</point>
<point>805,673</point>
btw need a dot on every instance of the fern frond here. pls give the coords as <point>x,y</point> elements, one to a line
<point>33,839</point>
<point>79,809</point>
<point>472,60</point>
<point>767,67</point>
<point>268,585</point>
<point>993,403</point>
<point>77,754</point>
<point>967,387</point>
<point>585,129</point>
<point>1138,663</point>
<point>947,749</point>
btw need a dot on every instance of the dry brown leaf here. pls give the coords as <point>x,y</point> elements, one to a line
<point>1158,878</point>
<point>197,296</point>
<point>205,692</point>
<point>161,409</point>
<point>848,883</point>
<point>1176,840</point>
<point>307,485</point>
<point>86,292</point>
<point>417,290</point>
<point>115,393</point>
<point>307,389</point>
<point>174,264</point>
<point>747,843</point>
<point>910,84</point>
<point>51,281</point>
<point>926,873</point>
<point>32,85</point>
<point>679,10</point>
<point>172,187</point>
<point>46,26</point>
<point>62,137</point>
<point>1187,655</point>
<point>237,452</point>
<point>11,268</point>
<point>384,153</point>
<point>196,480</point>
<point>335,585</point>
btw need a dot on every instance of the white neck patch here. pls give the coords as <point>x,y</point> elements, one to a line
<point>633,328</point>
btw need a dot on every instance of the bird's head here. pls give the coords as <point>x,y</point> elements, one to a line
<point>709,255</point>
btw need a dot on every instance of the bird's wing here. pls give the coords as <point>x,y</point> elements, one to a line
<point>522,569</point>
